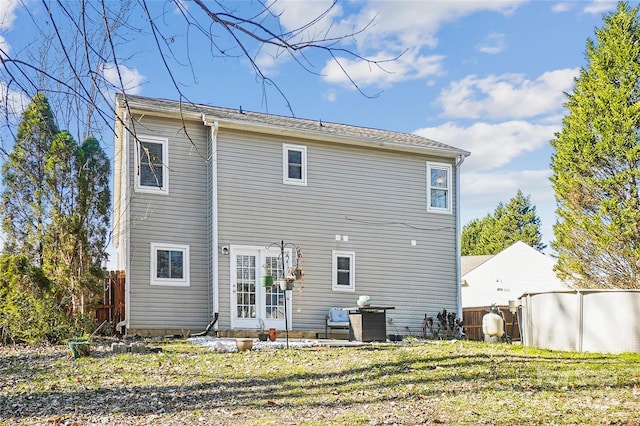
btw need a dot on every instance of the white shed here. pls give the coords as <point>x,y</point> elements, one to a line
<point>516,270</point>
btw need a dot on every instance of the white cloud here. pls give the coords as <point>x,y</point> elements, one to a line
<point>390,28</point>
<point>181,7</point>
<point>410,66</point>
<point>14,102</point>
<point>5,48</point>
<point>597,7</point>
<point>267,59</point>
<point>7,18</point>
<point>562,7</point>
<point>131,78</point>
<point>503,186</point>
<point>8,13</point>
<point>492,44</point>
<point>493,145</point>
<point>415,23</point>
<point>506,96</point>
<point>296,14</point>
<point>482,192</point>
<point>330,95</point>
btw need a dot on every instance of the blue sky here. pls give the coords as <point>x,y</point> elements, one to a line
<point>484,76</point>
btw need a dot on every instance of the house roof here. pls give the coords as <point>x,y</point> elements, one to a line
<point>297,127</point>
<point>506,276</point>
<point>469,263</point>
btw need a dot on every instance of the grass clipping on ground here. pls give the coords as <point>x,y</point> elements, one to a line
<point>417,383</point>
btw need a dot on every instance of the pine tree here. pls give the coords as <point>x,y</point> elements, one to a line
<point>517,221</point>
<point>470,239</point>
<point>78,181</point>
<point>55,205</point>
<point>24,207</point>
<point>596,161</point>
<point>94,195</point>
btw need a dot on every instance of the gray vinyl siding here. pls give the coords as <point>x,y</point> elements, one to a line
<point>376,197</point>
<point>179,217</point>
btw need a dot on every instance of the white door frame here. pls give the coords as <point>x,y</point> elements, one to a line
<point>256,311</point>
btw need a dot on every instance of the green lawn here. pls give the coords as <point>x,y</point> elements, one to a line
<point>416,383</point>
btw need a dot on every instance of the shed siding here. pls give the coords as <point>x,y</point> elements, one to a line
<point>377,198</point>
<point>178,218</point>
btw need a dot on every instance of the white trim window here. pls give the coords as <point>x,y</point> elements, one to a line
<point>152,164</point>
<point>343,267</point>
<point>438,187</point>
<point>294,164</point>
<point>169,264</point>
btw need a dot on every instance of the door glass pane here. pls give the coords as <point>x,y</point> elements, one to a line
<point>246,286</point>
<point>274,297</point>
<point>274,303</point>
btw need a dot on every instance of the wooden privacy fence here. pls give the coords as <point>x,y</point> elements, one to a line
<point>112,307</point>
<point>472,319</point>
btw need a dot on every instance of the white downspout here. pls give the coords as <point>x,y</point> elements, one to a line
<point>122,214</point>
<point>213,125</point>
<point>125,211</point>
<point>458,237</point>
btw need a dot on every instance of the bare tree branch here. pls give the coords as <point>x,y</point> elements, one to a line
<point>91,27</point>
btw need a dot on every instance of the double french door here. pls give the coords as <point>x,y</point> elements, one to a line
<point>254,306</point>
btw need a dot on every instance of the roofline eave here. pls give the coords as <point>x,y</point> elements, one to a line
<point>291,132</point>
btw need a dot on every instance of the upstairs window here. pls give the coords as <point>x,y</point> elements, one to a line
<point>438,187</point>
<point>343,271</point>
<point>294,164</point>
<point>152,165</point>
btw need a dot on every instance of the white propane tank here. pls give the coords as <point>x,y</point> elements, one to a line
<point>492,327</point>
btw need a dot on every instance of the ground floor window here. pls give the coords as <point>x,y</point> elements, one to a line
<point>169,264</point>
<point>343,271</point>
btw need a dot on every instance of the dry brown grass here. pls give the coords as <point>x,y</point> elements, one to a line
<point>407,384</point>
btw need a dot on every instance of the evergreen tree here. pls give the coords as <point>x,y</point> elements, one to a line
<point>470,238</point>
<point>24,207</point>
<point>78,181</point>
<point>517,221</point>
<point>596,161</point>
<point>55,205</point>
<point>62,248</point>
<point>94,195</point>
